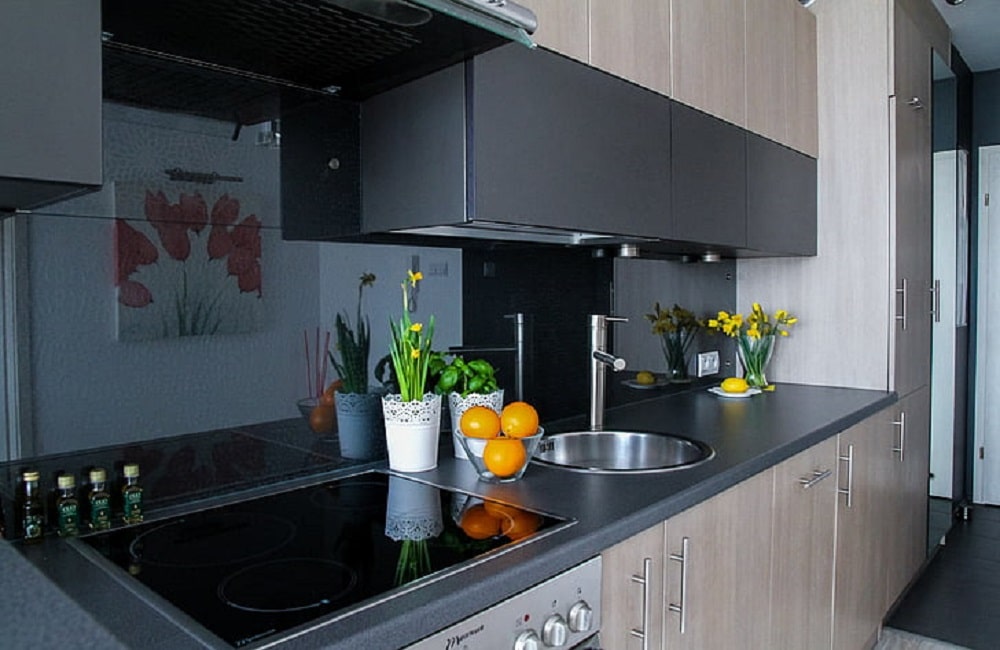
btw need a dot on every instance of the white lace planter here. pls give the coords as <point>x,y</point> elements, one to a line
<point>413,511</point>
<point>459,405</point>
<point>360,426</point>
<point>412,430</point>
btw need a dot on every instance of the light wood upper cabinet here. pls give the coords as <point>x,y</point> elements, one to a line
<point>563,26</point>
<point>802,84</point>
<point>768,67</point>
<point>632,41</point>
<point>721,551</point>
<point>708,56</point>
<point>632,592</point>
<point>805,503</point>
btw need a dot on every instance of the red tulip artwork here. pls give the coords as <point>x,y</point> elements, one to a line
<point>187,263</point>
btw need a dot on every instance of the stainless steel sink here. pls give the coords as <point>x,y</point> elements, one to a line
<point>623,452</point>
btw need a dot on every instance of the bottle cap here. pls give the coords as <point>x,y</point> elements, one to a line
<point>30,476</point>
<point>98,475</point>
<point>131,470</point>
<point>66,482</point>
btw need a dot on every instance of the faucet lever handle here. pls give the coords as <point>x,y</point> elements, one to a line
<point>616,319</point>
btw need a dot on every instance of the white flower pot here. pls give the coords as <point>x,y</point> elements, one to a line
<point>459,405</point>
<point>412,430</point>
<point>413,510</point>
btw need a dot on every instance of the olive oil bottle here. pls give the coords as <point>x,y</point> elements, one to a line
<point>32,511</point>
<point>67,506</point>
<point>98,500</point>
<point>131,495</point>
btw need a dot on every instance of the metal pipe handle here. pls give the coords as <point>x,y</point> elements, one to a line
<point>681,607</point>
<point>818,475</point>
<point>519,353</point>
<point>901,423</point>
<point>847,492</point>
<point>936,308</point>
<point>644,580</point>
<point>901,316</point>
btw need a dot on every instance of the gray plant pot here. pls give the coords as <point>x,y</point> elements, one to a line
<point>361,429</point>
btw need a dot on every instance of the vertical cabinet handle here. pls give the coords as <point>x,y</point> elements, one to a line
<point>846,491</point>
<point>936,308</point>
<point>901,316</point>
<point>818,475</point>
<point>644,580</point>
<point>681,607</point>
<point>901,424</point>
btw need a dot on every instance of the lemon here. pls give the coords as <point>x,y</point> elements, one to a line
<point>734,385</point>
<point>645,377</point>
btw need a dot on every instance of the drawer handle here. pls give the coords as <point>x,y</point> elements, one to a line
<point>849,459</point>
<point>681,608</point>
<point>901,423</point>
<point>901,316</point>
<point>818,475</point>
<point>644,580</point>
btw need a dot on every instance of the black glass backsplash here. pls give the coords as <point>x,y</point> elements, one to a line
<point>556,289</point>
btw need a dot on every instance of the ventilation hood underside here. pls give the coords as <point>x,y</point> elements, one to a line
<point>247,61</point>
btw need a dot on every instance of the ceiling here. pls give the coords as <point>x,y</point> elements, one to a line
<point>975,31</point>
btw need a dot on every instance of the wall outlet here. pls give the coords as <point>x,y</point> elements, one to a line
<point>708,363</point>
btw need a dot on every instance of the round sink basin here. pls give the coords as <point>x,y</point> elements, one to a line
<point>623,452</point>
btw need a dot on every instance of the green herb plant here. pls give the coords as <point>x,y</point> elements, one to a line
<point>354,346</point>
<point>463,377</point>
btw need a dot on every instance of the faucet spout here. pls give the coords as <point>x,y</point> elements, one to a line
<point>599,360</point>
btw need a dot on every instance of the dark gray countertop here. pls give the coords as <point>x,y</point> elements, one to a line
<point>749,436</point>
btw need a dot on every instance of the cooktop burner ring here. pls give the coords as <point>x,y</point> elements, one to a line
<point>203,540</point>
<point>314,582</point>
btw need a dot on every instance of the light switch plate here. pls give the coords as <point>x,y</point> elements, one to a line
<point>708,363</point>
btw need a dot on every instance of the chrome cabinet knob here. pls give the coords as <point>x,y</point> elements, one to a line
<point>527,641</point>
<point>581,617</point>
<point>555,631</point>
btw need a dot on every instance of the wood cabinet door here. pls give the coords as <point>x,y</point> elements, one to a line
<point>912,173</point>
<point>861,532</point>
<point>781,198</point>
<point>910,453</point>
<point>632,592</point>
<point>768,66</point>
<point>632,40</point>
<point>717,570</point>
<point>708,56</point>
<point>802,83</point>
<point>803,542</point>
<point>563,26</point>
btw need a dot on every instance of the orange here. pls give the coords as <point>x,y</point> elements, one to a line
<point>480,422</point>
<point>477,523</point>
<point>321,418</point>
<point>326,399</point>
<point>519,419</point>
<point>334,386</point>
<point>504,456</point>
<point>514,522</point>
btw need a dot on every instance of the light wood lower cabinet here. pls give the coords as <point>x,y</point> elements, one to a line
<point>802,550</point>
<point>632,592</point>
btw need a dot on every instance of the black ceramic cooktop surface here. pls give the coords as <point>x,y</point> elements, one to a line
<point>253,569</point>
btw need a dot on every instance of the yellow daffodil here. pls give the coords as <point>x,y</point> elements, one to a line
<point>416,327</point>
<point>414,277</point>
<point>415,353</point>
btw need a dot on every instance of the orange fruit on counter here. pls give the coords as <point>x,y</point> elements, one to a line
<point>334,386</point>
<point>519,419</point>
<point>477,523</point>
<point>504,456</point>
<point>480,422</point>
<point>514,522</point>
<point>327,399</point>
<point>321,418</point>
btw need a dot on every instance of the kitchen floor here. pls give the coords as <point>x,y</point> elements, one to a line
<point>958,597</point>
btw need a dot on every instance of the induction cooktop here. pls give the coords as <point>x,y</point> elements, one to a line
<point>253,569</point>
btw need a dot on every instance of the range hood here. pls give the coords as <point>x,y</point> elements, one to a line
<point>252,59</point>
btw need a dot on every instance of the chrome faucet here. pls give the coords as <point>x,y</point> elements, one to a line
<point>599,357</point>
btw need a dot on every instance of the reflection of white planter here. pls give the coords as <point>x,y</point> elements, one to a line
<point>412,430</point>
<point>413,510</point>
<point>360,427</point>
<point>459,405</point>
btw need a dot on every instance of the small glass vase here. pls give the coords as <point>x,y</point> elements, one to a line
<point>675,346</point>
<point>754,354</point>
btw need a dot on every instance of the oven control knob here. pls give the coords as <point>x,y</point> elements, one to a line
<point>527,641</point>
<point>581,617</point>
<point>555,631</point>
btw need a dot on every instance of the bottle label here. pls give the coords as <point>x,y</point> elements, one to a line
<point>133,506</point>
<point>100,513</point>
<point>68,519</point>
<point>32,527</point>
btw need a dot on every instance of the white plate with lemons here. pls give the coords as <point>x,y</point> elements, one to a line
<point>733,387</point>
<point>645,380</point>
<point>750,392</point>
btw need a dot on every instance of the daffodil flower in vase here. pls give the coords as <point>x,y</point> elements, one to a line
<point>755,336</point>
<point>360,428</point>
<point>413,416</point>
<point>677,328</point>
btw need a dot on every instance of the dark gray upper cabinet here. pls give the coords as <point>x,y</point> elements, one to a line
<point>517,138</point>
<point>708,179</point>
<point>781,199</point>
<point>50,110</point>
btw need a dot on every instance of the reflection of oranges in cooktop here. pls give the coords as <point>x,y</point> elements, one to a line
<point>490,519</point>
